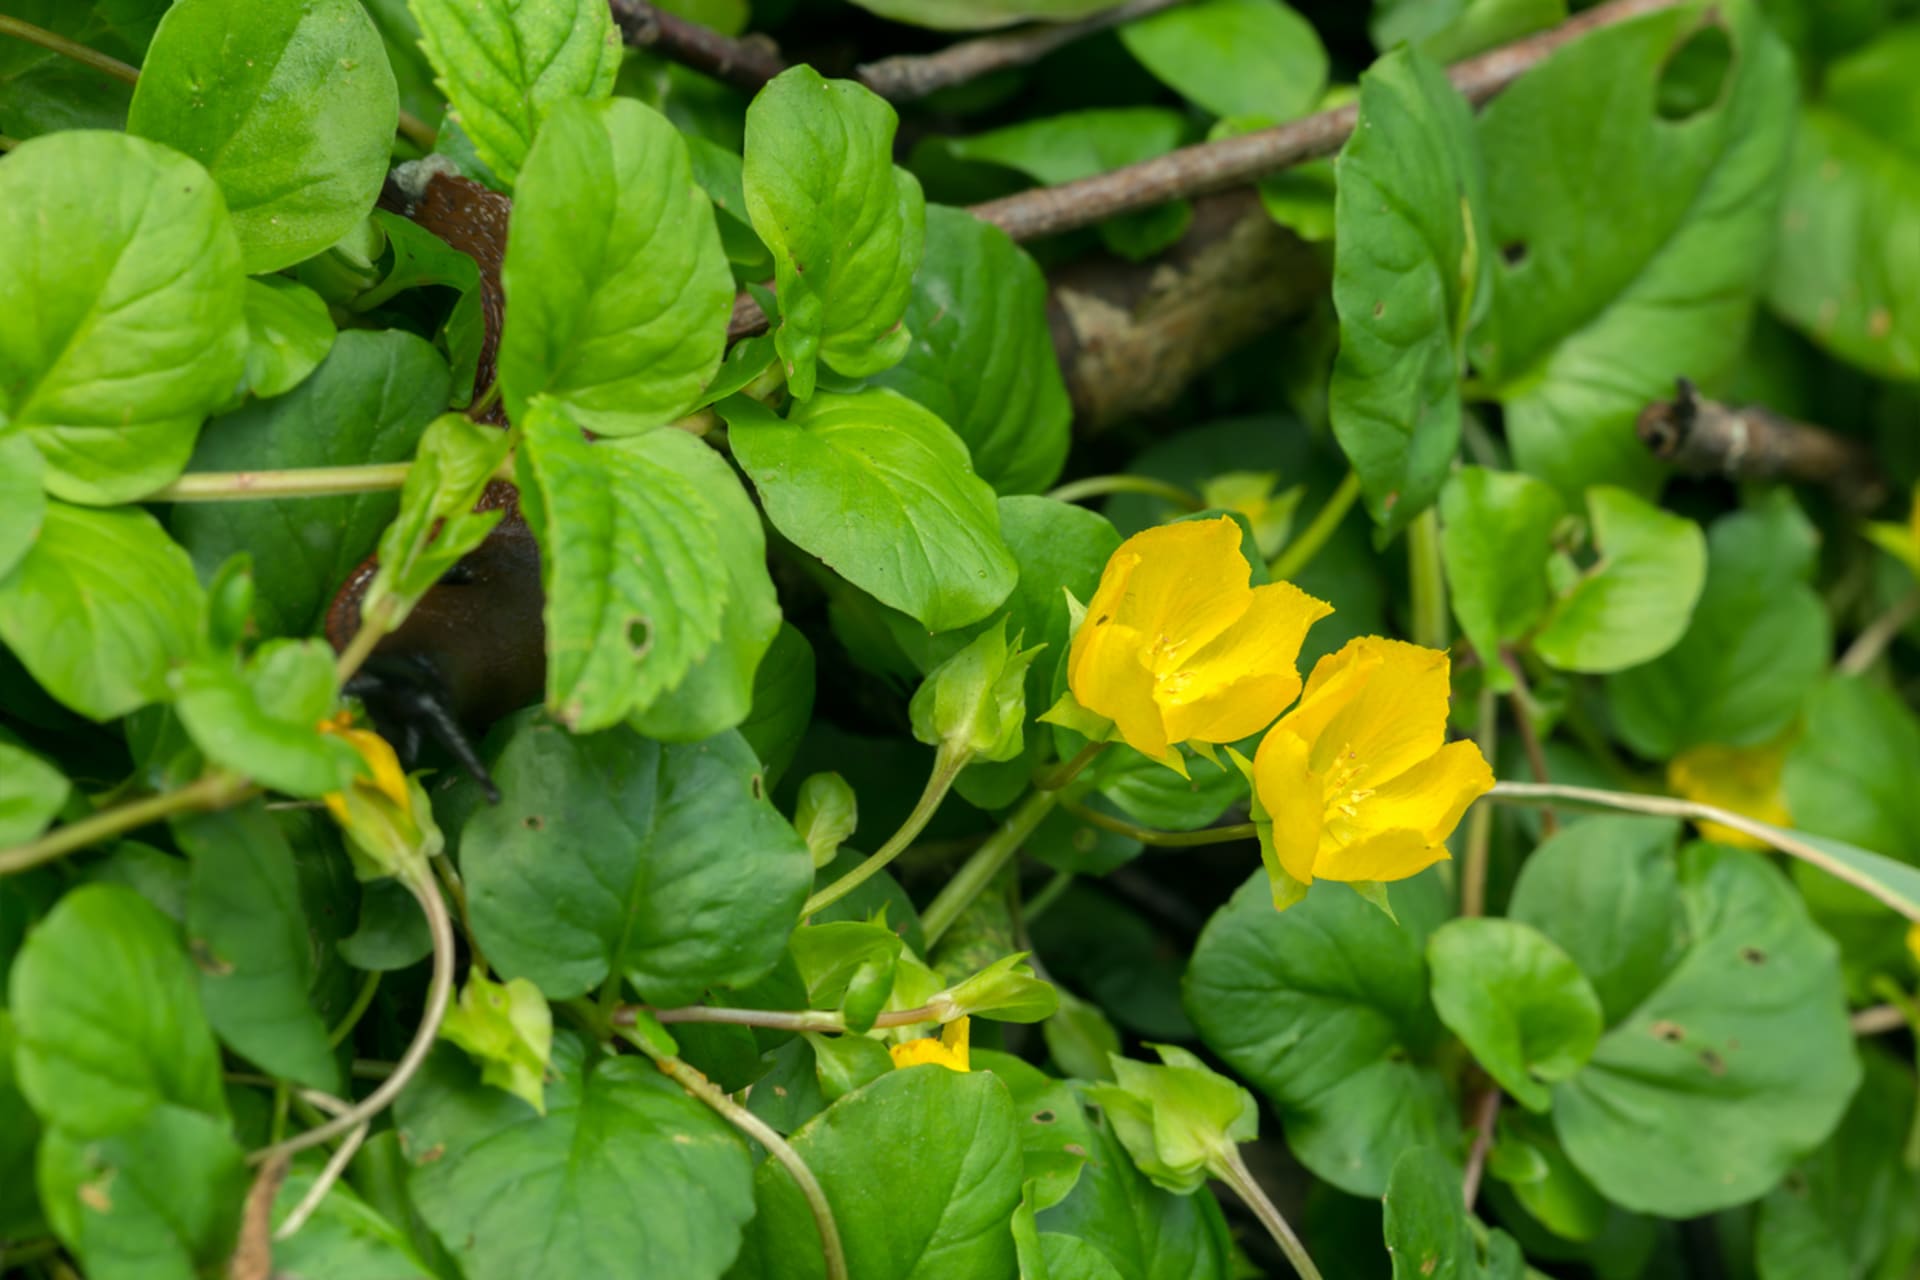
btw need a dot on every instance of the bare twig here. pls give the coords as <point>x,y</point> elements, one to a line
<point>1234,162</point>
<point>1485,1114</point>
<point>252,1257</point>
<point>910,77</point>
<point>745,64</point>
<point>1703,437</point>
<point>1873,641</point>
<point>1877,1020</point>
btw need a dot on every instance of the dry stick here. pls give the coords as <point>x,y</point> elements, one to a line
<point>1872,642</point>
<point>439,992</point>
<point>1877,1020</point>
<point>335,1166</point>
<point>907,78</point>
<point>745,64</point>
<point>1484,1116</point>
<point>1702,437</point>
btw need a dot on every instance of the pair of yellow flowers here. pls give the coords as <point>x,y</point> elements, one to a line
<point>1358,779</point>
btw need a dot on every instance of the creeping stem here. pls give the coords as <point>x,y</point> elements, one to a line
<point>947,764</point>
<point>1160,839</point>
<point>439,992</point>
<point>215,790</point>
<point>67,48</point>
<point>1299,553</point>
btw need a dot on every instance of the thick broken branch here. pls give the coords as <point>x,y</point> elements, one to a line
<point>910,77</point>
<point>1703,437</point>
<point>1131,335</point>
<point>1234,162</point>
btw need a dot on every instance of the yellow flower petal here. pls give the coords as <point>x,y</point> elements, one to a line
<point>949,1051</point>
<point>1389,855</point>
<point>1743,779</point>
<point>1292,797</point>
<point>1247,675</point>
<point>1187,585</point>
<point>1431,796</point>
<point>1394,720</point>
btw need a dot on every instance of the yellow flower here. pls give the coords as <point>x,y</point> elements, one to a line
<point>1359,779</point>
<point>1913,940</point>
<point>1176,647</point>
<point>949,1051</point>
<point>385,815</point>
<point>1902,542</point>
<point>1743,779</point>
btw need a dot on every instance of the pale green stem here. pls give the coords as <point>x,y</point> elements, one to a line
<point>417,131</point>
<point>68,49</point>
<point>947,764</point>
<point>1872,642</point>
<point>1237,1177</point>
<point>299,482</point>
<point>439,993</point>
<point>1098,486</point>
<point>776,1019</point>
<point>1786,842</point>
<point>1049,894</point>
<point>1299,553</point>
<point>213,791</point>
<point>978,871</point>
<point>1061,774</point>
<point>357,1010</point>
<point>1429,578</point>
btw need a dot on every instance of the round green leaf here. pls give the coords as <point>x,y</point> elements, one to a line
<point>100,608</point>
<point>982,356</point>
<point>1634,603</point>
<point>845,226</point>
<point>158,1197</point>
<point>617,290</point>
<point>248,931</point>
<point>669,864</point>
<point>884,492</point>
<point>344,1237</point>
<point>292,109</point>
<point>505,65</point>
<point>107,1017</point>
<point>120,309</point>
<point>922,1168</point>
<point>1631,236</point>
<point>1524,1009</point>
<point>1410,272</point>
<point>368,402</point>
<point>1324,1009</point>
<point>968,15</point>
<point>1758,642</point>
<point>289,332</point>
<point>31,794</point>
<point>1499,529</point>
<point>624,1175</point>
<point>1738,1065</point>
<point>1605,891</point>
<point>1055,1135</point>
<point>1234,57</point>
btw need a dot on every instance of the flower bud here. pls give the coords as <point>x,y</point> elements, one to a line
<point>976,701</point>
<point>1180,1121</point>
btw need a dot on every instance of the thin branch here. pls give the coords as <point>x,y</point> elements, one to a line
<point>745,64</point>
<point>1703,437</point>
<point>213,791</point>
<point>68,49</point>
<point>1299,553</point>
<point>796,1020</point>
<point>1160,839</point>
<point>1484,1116</point>
<point>1878,1020</point>
<point>978,871</point>
<point>911,77</point>
<point>1523,705</point>
<point>1100,486</point>
<point>330,1174</point>
<point>1693,811</point>
<point>1238,1177</point>
<point>1234,162</point>
<point>1881,632</point>
<point>947,764</point>
<point>439,991</point>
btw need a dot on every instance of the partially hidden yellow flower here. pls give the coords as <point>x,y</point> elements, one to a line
<point>1901,541</point>
<point>1176,647</point>
<point>949,1051</point>
<point>1359,780</point>
<point>1913,941</point>
<point>385,815</point>
<point>1743,779</point>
